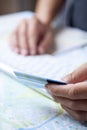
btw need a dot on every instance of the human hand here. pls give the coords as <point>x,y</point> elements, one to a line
<point>73,96</point>
<point>31,37</point>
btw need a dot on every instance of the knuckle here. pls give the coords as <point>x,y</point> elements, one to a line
<point>73,92</point>
<point>54,90</point>
<point>33,31</point>
<point>35,25</point>
<point>72,78</point>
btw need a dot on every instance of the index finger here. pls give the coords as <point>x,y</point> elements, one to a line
<point>33,35</point>
<point>71,91</point>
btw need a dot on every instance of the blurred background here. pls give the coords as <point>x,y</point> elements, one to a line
<point>11,6</point>
<point>64,37</point>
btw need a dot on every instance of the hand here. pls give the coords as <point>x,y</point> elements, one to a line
<point>31,37</point>
<point>73,96</point>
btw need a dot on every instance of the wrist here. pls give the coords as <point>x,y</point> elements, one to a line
<point>43,19</point>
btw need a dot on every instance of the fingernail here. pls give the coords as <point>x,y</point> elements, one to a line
<point>24,52</point>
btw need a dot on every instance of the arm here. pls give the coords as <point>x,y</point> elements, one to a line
<point>47,9</point>
<point>34,36</point>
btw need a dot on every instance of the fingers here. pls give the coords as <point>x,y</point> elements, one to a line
<point>78,115</point>
<point>46,42</point>
<point>33,35</point>
<point>70,91</point>
<point>26,37</point>
<point>78,75</point>
<point>14,42</point>
<point>22,39</point>
<point>18,40</point>
<point>75,105</point>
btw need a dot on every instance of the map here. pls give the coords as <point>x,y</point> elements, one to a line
<point>22,108</point>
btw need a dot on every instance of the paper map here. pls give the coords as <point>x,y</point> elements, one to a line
<point>24,109</point>
<point>21,108</point>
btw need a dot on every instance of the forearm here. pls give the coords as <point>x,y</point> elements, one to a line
<point>47,9</point>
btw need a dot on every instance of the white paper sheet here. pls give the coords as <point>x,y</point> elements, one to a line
<point>47,66</point>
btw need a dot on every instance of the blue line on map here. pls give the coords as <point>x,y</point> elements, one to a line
<point>35,128</point>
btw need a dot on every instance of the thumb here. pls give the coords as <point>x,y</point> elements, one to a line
<point>78,75</point>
